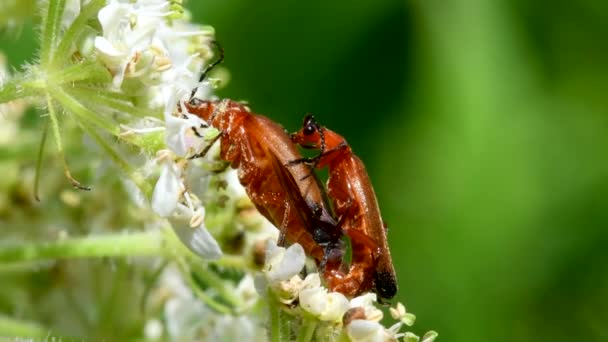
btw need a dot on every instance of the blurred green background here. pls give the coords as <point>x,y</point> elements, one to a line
<point>484,128</point>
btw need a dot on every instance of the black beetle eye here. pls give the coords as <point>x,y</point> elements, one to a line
<point>310,125</point>
<point>309,129</point>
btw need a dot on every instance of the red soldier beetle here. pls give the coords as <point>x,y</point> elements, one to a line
<point>357,211</point>
<point>260,149</point>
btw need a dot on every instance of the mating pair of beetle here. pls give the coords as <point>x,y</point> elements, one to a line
<point>283,187</point>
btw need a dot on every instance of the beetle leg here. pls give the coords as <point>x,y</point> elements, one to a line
<point>207,148</point>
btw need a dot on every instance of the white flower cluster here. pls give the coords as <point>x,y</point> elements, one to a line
<point>359,318</point>
<point>188,319</point>
<point>144,41</point>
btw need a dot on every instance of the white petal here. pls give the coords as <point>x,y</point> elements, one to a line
<point>246,290</point>
<point>167,190</point>
<point>311,281</point>
<point>261,285</point>
<point>336,306</point>
<point>180,135</point>
<point>323,305</point>
<point>314,300</point>
<point>234,185</point>
<point>105,46</point>
<point>111,15</point>
<point>283,267</point>
<point>197,239</point>
<point>365,300</point>
<point>360,330</point>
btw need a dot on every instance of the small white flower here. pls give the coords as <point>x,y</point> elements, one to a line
<point>246,290</point>
<point>323,305</point>
<point>287,290</point>
<point>128,31</point>
<point>400,314</point>
<point>187,136</point>
<point>189,226</point>
<point>177,41</point>
<point>311,281</point>
<point>281,270</point>
<point>283,264</point>
<point>367,301</point>
<point>168,189</point>
<point>361,330</point>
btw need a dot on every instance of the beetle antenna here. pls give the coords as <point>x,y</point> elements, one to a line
<point>210,66</point>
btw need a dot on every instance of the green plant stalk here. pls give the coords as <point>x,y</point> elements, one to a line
<point>154,243</point>
<point>75,107</point>
<point>125,167</point>
<point>307,329</point>
<point>107,98</point>
<point>14,89</point>
<point>57,135</point>
<point>84,71</point>
<point>275,321</point>
<point>45,132</point>
<point>232,261</point>
<point>14,327</point>
<point>50,30</point>
<point>207,299</point>
<point>215,282</point>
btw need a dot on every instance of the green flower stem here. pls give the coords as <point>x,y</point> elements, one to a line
<point>125,167</point>
<point>57,135</point>
<point>307,330</point>
<point>275,321</point>
<point>14,89</point>
<point>219,285</point>
<point>9,91</point>
<point>50,30</point>
<point>45,132</point>
<point>232,261</point>
<point>109,99</point>
<point>153,243</point>
<point>65,46</point>
<point>22,85</point>
<point>75,107</point>
<point>202,295</point>
<point>87,70</point>
<point>13,327</point>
